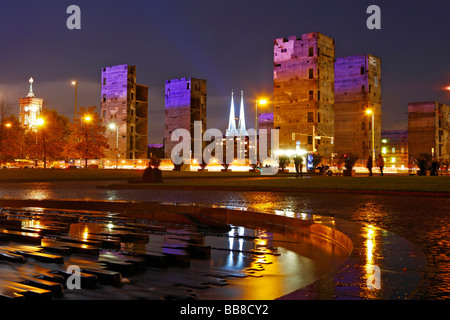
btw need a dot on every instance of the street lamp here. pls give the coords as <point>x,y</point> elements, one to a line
<point>8,125</point>
<point>86,119</point>
<point>113,126</point>
<point>39,122</point>
<point>262,102</point>
<point>371,112</point>
<point>75,84</point>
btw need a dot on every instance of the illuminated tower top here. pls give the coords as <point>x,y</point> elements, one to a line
<point>242,128</point>
<point>231,131</point>
<point>30,109</point>
<point>31,93</point>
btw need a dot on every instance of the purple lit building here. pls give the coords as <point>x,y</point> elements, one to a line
<point>357,88</point>
<point>124,112</point>
<point>185,103</point>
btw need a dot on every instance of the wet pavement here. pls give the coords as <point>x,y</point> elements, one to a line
<point>422,220</point>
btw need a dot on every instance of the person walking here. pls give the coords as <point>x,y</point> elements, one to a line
<point>369,165</point>
<point>380,163</point>
<point>298,162</point>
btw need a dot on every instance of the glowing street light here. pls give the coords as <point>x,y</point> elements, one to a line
<point>261,102</point>
<point>371,112</point>
<point>113,126</point>
<point>8,125</point>
<point>75,84</point>
<point>86,118</point>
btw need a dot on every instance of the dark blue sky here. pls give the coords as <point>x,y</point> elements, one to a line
<point>229,43</point>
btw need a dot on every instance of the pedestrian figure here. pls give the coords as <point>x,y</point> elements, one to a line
<point>434,167</point>
<point>298,162</point>
<point>369,165</point>
<point>380,163</point>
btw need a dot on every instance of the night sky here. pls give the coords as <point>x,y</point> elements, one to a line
<point>228,43</point>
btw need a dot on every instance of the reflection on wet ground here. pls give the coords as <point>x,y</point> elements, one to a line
<point>128,258</point>
<point>422,220</point>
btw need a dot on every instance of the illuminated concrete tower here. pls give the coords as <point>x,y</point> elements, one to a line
<point>30,109</point>
<point>357,88</point>
<point>429,130</point>
<point>232,131</point>
<point>185,103</point>
<point>242,130</point>
<point>124,112</point>
<point>303,92</point>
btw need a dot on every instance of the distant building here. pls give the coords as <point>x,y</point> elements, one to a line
<point>357,88</point>
<point>125,105</point>
<point>394,148</point>
<point>429,130</point>
<point>304,92</point>
<point>185,103</point>
<point>30,108</point>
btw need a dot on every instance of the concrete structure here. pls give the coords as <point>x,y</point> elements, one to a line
<point>357,88</point>
<point>429,130</point>
<point>124,104</point>
<point>185,103</point>
<point>304,92</point>
<point>394,148</point>
<point>30,108</point>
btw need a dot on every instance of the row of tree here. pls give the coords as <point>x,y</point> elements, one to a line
<point>56,139</point>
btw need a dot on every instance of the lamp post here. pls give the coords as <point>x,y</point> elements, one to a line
<point>262,102</point>
<point>75,84</point>
<point>113,126</point>
<point>371,112</point>
<point>87,119</point>
<point>39,122</point>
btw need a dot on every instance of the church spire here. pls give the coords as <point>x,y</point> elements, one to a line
<point>31,93</point>
<point>242,128</point>
<point>231,131</point>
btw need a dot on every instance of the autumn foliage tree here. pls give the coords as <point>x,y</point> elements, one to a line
<point>86,139</point>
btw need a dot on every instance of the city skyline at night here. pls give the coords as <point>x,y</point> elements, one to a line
<point>229,45</point>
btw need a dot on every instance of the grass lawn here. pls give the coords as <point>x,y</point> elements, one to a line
<point>288,182</point>
<point>235,180</point>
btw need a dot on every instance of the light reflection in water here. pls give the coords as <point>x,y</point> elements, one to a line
<point>372,270</point>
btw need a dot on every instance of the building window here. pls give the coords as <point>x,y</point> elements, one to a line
<point>311,95</point>
<point>363,89</point>
<point>402,150</point>
<point>318,116</point>
<point>363,126</point>
<point>283,50</point>
<point>104,98</point>
<point>311,73</point>
<point>310,117</point>
<point>363,145</point>
<point>318,95</point>
<point>393,150</point>
<point>363,70</point>
<point>310,51</point>
<point>370,125</point>
<point>188,86</point>
<point>310,139</point>
<point>104,81</point>
<point>383,150</point>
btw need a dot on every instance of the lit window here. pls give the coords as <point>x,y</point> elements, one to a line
<point>393,150</point>
<point>384,140</point>
<point>393,160</point>
<point>383,150</point>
